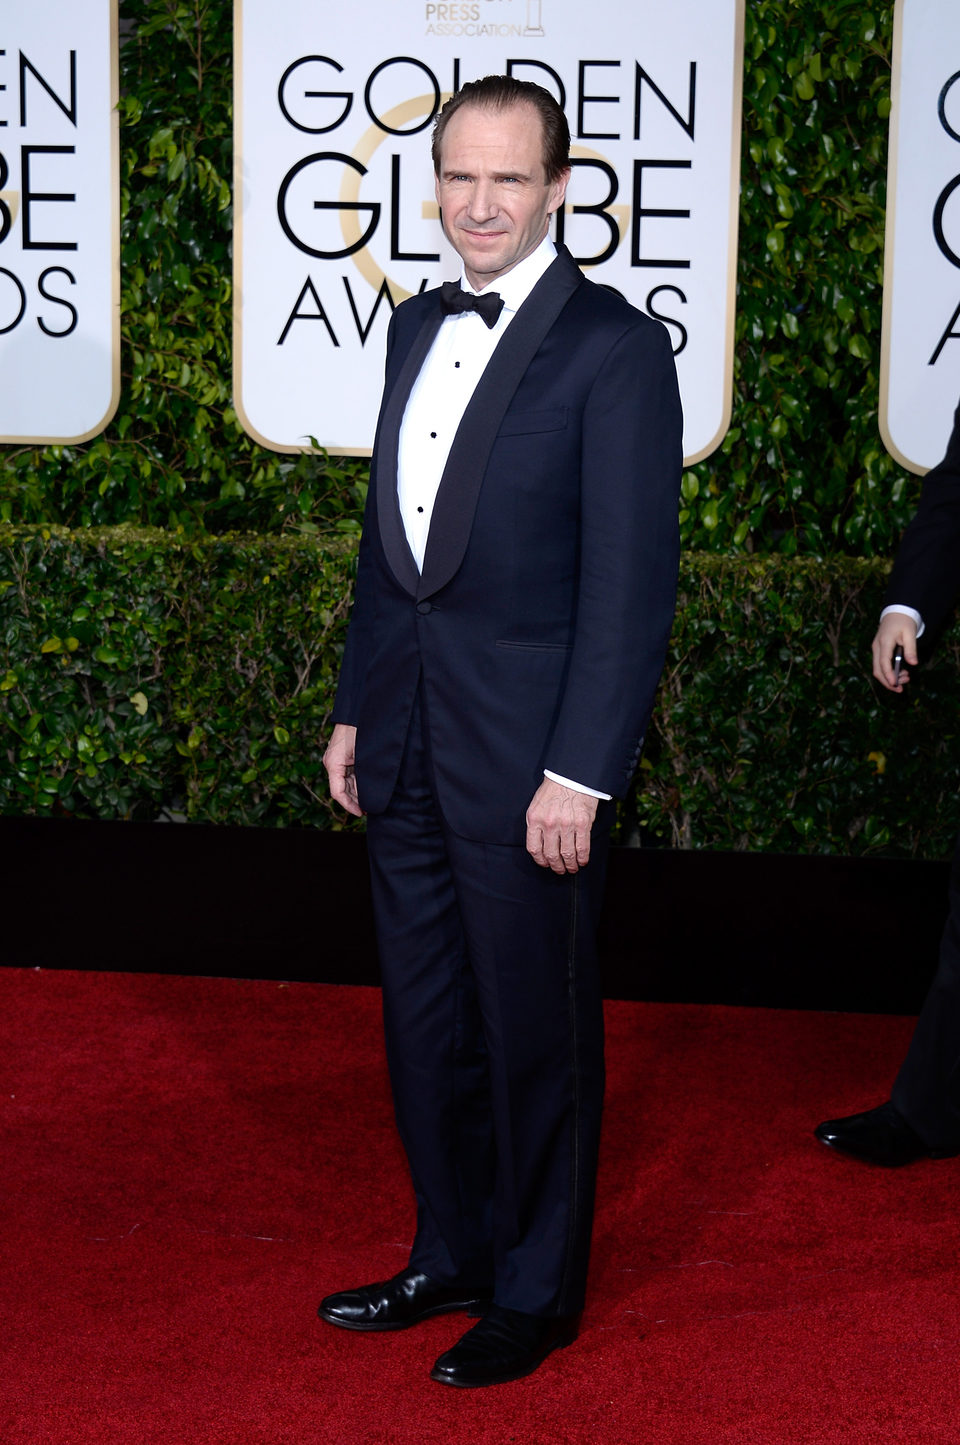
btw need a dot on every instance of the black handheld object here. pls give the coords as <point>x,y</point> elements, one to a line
<point>897,664</point>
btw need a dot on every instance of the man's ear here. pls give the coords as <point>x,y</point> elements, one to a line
<point>559,190</point>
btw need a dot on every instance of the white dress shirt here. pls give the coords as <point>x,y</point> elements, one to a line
<point>910,612</point>
<point>440,396</point>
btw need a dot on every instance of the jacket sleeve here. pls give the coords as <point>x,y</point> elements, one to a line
<point>358,646</point>
<point>631,465</point>
<point>926,573</point>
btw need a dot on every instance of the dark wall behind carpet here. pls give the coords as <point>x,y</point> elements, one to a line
<point>141,671</point>
<point>733,928</point>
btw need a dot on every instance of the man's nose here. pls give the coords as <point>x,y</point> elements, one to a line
<point>483,201</point>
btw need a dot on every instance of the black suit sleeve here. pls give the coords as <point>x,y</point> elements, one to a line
<point>926,573</point>
<point>631,464</point>
<point>358,645</point>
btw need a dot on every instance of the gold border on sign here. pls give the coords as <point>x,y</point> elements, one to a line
<point>238,201</point>
<point>237,327</point>
<point>733,238</point>
<point>889,233</point>
<point>114,402</point>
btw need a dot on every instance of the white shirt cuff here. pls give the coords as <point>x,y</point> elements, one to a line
<point>577,787</point>
<point>910,612</point>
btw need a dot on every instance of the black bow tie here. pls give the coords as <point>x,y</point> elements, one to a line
<point>454,300</point>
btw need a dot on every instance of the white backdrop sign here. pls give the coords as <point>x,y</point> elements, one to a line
<point>920,381</point>
<point>336,220</point>
<point>59,219</point>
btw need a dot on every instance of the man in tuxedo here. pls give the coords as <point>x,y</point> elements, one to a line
<point>922,1117</point>
<point>515,592</point>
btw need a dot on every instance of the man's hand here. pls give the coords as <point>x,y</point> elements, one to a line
<point>338,761</point>
<point>895,628</point>
<point>558,827</point>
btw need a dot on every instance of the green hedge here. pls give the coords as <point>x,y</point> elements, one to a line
<point>802,470</point>
<point>770,733</point>
<point>139,670</point>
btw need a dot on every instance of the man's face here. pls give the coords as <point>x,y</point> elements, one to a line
<point>495,200</point>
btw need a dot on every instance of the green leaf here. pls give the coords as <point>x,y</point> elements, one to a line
<point>776,150</point>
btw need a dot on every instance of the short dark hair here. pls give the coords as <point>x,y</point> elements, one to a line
<point>499,92</point>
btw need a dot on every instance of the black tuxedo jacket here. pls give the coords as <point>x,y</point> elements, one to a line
<point>926,573</point>
<point>539,625</point>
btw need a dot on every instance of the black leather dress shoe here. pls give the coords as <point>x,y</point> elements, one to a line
<point>880,1136</point>
<point>397,1303</point>
<point>505,1345</point>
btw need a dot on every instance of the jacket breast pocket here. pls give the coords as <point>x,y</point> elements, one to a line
<point>522,423</point>
<point>533,647</point>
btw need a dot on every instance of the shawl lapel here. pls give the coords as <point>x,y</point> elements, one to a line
<point>460,484</point>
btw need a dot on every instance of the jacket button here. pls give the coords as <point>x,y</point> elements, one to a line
<point>424,607</point>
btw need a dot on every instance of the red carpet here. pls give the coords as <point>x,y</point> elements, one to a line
<point>189,1164</point>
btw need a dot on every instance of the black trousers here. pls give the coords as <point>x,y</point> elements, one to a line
<point>494,1032</point>
<point>927,1089</point>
